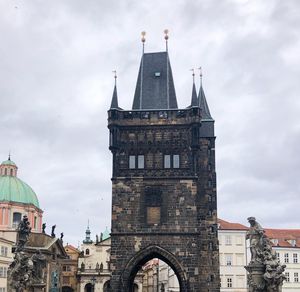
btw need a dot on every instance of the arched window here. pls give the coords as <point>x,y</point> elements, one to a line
<point>5,171</point>
<point>11,172</point>
<point>87,251</point>
<point>35,222</point>
<point>106,287</point>
<point>16,219</point>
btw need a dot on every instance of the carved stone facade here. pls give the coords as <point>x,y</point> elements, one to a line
<point>163,196</point>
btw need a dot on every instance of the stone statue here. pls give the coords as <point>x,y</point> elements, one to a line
<point>39,264</point>
<point>255,235</point>
<point>101,236</point>
<point>61,236</point>
<point>97,267</point>
<point>97,238</point>
<point>82,267</point>
<point>52,231</point>
<point>265,271</point>
<point>101,267</point>
<point>43,227</point>
<point>23,230</point>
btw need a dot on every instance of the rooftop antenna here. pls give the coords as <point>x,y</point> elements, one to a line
<point>143,39</point>
<point>166,32</point>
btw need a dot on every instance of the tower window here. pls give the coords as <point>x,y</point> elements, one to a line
<point>171,161</point>
<point>167,161</point>
<point>176,162</point>
<point>16,219</point>
<point>5,171</point>
<point>141,161</point>
<point>11,172</point>
<point>131,161</point>
<point>87,251</point>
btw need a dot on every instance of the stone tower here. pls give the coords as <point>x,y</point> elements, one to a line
<point>164,201</point>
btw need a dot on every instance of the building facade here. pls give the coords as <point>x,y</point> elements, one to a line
<point>163,182</point>
<point>286,245</point>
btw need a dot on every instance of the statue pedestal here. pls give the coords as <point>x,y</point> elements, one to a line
<point>256,280</point>
<point>39,287</point>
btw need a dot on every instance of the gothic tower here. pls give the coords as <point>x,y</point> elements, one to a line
<point>164,201</point>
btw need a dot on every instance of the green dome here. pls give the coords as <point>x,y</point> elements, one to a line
<point>8,162</point>
<point>12,189</point>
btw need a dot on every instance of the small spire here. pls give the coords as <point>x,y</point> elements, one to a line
<point>9,155</point>
<point>114,100</point>
<point>202,100</point>
<point>194,101</point>
<point>166,32</point>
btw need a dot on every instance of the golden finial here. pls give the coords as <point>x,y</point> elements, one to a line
<point>143,33</point>
<point>193,74</point>
<point>115,76</point>
<point>200,69</point>
<point>166,31</point>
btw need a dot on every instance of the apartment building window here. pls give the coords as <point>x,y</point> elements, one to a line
<point>4,250</point>
<point>2,289</point>
<point>286,258</point>
<point>287,275</point>
<point>295,258</point>
<point>66,269</point>
<point>228,239</point>
<point>141,161</point>
<point>228,260</point>
<point>278,256</point>
<point>176,161</point>
<point>229,282</point>
<point>296,277</point>
<point>3,272</point>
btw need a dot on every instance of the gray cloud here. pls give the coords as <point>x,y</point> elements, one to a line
<point>56,85</point>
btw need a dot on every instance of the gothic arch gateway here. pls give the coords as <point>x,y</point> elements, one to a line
<point>142,257</point>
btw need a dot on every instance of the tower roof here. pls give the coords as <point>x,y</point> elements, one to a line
<point>194,101</point>
<point>114,100</point>
<point>203,105</point>
<point>155,86</point>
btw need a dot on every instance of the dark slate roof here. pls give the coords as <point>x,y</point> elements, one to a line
<point>194,101</point>
<point>203,105</point>
<point>114,100</point>
<point>151,87</point>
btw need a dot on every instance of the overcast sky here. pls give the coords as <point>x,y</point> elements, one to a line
<point>56,82</point>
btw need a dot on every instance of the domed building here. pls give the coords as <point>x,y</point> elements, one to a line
<point>17,199</point>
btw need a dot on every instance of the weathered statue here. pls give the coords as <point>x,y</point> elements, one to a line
<point>23,230</point>
<point>61,236</point>
<point>265,271</point>
<point>101,236</point>
<point>39,265</point>
<point>255,235</point>
<point>82,267</point>
<point>52,231</point>
<point>43,227</point>
<point>97,238</point>
<point>101,267</point>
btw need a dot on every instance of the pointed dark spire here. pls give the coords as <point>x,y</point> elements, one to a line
<point>114,100</point>
<point>202,101</point>
<point>194,101</point>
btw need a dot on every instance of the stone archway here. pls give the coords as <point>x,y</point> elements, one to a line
<point>143,256</point>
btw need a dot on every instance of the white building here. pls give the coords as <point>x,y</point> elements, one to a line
<point>286,244</point>
<point>233,256</point>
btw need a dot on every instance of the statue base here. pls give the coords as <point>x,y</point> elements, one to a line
<point>255,277</point>
<point>38,287</point>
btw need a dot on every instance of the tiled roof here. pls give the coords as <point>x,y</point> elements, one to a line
<point>225,225</point>
<point>284,237</point>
